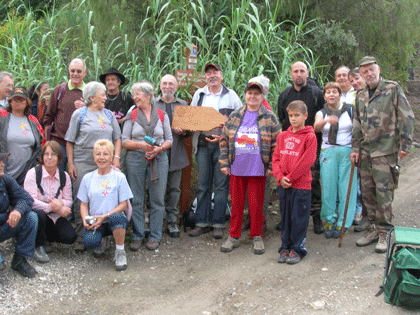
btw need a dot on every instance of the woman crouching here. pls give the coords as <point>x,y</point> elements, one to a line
<point>104,195</point>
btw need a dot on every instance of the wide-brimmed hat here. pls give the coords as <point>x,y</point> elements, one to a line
<point>367,60</point>
<point>212,64</point>
<point>254,85</point>
<point>19,90</point>
<point>3,156</point>
<point>112,71</point>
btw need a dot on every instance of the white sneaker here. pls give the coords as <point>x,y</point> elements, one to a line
<point>120,260</point>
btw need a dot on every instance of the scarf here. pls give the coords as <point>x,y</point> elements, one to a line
<point>332,135</point>
<point>149,128</point>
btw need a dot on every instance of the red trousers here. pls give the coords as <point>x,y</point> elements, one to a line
<point>256,189</point>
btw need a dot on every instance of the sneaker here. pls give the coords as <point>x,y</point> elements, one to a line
<point>371,236</point>
<point>382,244</point>
<point>79,248</point>
<point>293,258</point>
<point>20,264</point>
<point>135,245</point>
<point>328,230</point>
<point>284,254</point>
<point>120,259</point>
<point>230,244</point>
<point>337,232</point>
<point>173,230</point>
<point>40,255</point>
<point>199,230</point>
<point>217,233</point>
<point>357,219</point>
<point>317,224</point>
<point>105,245</point>
<point>258,248</point>
<point>152,245</point>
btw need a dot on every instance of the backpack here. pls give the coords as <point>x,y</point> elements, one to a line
<point>38,173</point>
<point>83,113</point>
<point>161,114</point>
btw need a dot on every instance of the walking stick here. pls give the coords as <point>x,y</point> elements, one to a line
<point>347,203</point>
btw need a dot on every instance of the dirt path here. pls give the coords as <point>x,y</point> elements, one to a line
<point>191,276</point>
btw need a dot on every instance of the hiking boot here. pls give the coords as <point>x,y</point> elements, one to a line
<point>246,223</point>
<point>382,244</point>
<point>152,245</point>
<point>105,245</point>
<point>337,232</point>
<point>328,230</point>
<point>371,236</point>
<point>293,258</point>
<point>173,230</point>
<point>199,230</point>
<point>258,248</point>
<point>363,226</point>
<point>135,245</point>
<point>120,259</point>
<point>230,244</point>
<point>79,248</point>
<point>20,264</point>
<point>217,233</point>
<point>284,254</point>
<point>318,229</point>
<point>40,255</point>
<point>357,219</point>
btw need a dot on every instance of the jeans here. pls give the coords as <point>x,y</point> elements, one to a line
<point>138,171</point>
<point>207,158</point>
<point>92,239</point>
<point>24,232</point>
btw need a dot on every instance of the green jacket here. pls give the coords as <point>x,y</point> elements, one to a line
<point>384,124</point>
<point>268,129</point>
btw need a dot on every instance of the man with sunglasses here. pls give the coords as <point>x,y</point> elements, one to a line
<point>65,99</point>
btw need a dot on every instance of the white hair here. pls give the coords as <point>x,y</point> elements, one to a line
<point>90,90</point>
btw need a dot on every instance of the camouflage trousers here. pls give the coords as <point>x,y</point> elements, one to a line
<point>378,180</point>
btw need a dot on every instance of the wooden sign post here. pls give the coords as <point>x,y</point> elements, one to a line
<point>192,78</point>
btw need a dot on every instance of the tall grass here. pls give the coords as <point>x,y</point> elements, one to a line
<point>245,39</point>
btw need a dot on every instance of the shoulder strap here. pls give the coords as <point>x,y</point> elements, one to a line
<point>124,96</point>
<point>134,114</point>
<point>82,116</point>
<point>161,115</point>
<point>109,114</point>
<point>313,91</point>
<point>38,174</point>
<point>62,175</point>
<point>60,90</point>
<point>324,112</point>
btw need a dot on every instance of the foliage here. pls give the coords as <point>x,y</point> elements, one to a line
<point>244,38</point>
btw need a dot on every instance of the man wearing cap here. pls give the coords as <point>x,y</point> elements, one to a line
<point>65,99</point>
<point>206,147</point>
<point>17,221</point>
<point>116,101</point>
<point>305,90</point>
<point>348,93</point>
<point>6,86</point>
<point>177,154</point>
<point>383,127</point>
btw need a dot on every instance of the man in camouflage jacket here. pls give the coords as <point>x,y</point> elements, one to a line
<point>383,126</point>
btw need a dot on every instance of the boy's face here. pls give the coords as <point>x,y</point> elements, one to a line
<point>297,119</point>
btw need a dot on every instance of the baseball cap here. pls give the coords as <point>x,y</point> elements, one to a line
<point>367,60</point>
<point>214,65</point>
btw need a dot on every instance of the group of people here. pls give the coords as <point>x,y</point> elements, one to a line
<point>94,130</point>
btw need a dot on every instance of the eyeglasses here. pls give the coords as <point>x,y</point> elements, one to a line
<point>50,154</point>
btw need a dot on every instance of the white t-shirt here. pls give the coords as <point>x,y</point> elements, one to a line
<point>345,126</point>
<point>104,192</point>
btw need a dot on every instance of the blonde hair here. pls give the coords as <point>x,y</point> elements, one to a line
<point>103,143</point>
